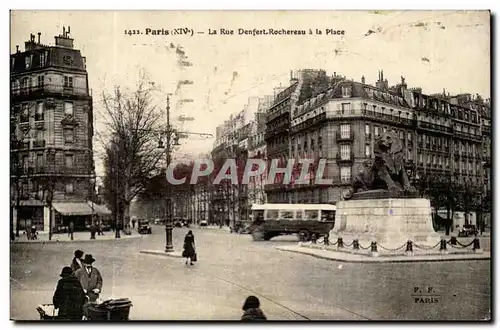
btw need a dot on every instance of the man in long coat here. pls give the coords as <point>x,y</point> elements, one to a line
<point>90,278</point>
<point>69,297</point>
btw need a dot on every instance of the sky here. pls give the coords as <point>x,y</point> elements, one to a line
<point>434,50</point>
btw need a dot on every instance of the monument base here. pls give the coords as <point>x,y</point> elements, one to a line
<point>390,222</point>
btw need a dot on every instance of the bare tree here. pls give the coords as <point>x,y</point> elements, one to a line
<point>131,153</point>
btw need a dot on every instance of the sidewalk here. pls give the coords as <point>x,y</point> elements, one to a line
<point>77,237</point>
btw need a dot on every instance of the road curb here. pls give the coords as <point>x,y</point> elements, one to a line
<point>367,259</point>
<point>162,253</point>
<point>113,239</point>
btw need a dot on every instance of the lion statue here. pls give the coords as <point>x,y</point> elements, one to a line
<point>386,171</point>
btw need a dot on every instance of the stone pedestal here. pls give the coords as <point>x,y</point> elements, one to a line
<point>390,222</point>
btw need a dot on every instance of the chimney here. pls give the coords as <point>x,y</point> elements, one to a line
<point>69,29</point>
<point>39,34</point>
<point>334,74</point>
<point>17,48</point>
<point>378,75</point>
<point>382,75</point>
<point>362,79</point>
<point>64,32</point>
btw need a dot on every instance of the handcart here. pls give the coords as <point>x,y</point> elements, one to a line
<point>109,310</point>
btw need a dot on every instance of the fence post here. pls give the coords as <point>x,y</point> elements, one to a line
<point>442,247</point>
<point>453,240</point>
<point>409,247</point>
<point>340,242</point>
<point>326,239</point>
<point>477,247</point>
<point>355,244</point>
<point>313,239</point>
<point>374,251</point>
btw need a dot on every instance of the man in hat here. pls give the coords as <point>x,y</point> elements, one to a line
<point>69,297</point>
<point>76,263</point>
<point>90,278</point>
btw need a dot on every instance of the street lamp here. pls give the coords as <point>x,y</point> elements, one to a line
<point>92,184</point>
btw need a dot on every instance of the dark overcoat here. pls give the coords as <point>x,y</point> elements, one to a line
<point>90,281</point>
<point>69,298</point>
<point>189,250</point>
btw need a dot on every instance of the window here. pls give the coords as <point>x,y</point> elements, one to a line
<point>385,129</point>
<point>68,82</point>
<point>43,58</point>
<point>311,214</point>
<point>287,215</point>
<point>25,162</point>
<point>69,188</point>
<point>41,81</point>
<point>408,136</point>
<point>345,131</point>
<point>346,107</point>
<point>346,91</point>
<point>410,154</point>
<point>367,151</point>
<point>447,161</point>
<point>345,174</point>
<point>39,112</point>
<point>272,214</point>
<point>27,61</point>
<point>68,108</point>
<point>69,135</point>
<point>312,144</point>
<point>345,152</point>
<point>68,160</point>
<point>320,142</point>
<point>40,135</point>
<point>25,113</point>
<point>377,132</point>
<point>12,62</point>
<point>39,160</point>
<point>401,135</point>
<point>367,130</point>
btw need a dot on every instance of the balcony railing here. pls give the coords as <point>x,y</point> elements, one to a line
<point>19,145</point>
<point>39,144</point>
<point>50,89</point>
<point>389,118</point>
<point>435,127</point>
<point>344,136</point>
<point>345,158</point>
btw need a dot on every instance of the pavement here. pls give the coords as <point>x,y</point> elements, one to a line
<point>77,237</point>
<point>232,267</point>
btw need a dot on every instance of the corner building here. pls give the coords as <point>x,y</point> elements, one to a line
<point>51,135</point>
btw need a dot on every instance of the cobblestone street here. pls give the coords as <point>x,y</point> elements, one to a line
<point>231,267</point>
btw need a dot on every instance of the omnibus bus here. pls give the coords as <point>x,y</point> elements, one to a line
<point>271,220</point>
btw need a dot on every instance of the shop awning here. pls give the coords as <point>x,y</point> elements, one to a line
<point>99,209</point>
<point>70,209</point>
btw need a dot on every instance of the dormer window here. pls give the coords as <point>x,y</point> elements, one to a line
<point>346,91</point>
<point>27,61</point>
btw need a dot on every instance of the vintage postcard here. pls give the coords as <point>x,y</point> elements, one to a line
<point>250,165</point>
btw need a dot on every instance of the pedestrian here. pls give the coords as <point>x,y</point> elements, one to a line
<point>252,311</point>
<point>189,248</point>
<point>69,297</point>
<point>133,223</point>
<point>93,230</point>
<point>71,229</point>
<point>76,263</point>
<point>90,278</point>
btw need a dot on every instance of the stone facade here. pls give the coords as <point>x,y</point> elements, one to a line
<point>51,131</point>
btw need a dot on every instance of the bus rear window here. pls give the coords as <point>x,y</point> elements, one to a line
<point>288,215</point>
<point>311,214</point>
<point>272,214</point>
<point>258,215</point>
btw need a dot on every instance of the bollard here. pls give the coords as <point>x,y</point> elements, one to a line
<point>313,238</point>
<point>374,251</point>
<point>442,247</point>
<point>326,239</point>
<point>301,237</point>
<point>453,240</point>
<point>355,244</point>
<point>340,242</point>
<point>476,246</point>
<point>409,246</point>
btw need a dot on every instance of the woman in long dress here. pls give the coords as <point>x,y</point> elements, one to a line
<point>189,248</point>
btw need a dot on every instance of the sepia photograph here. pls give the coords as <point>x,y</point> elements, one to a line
<point>278,165</point>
